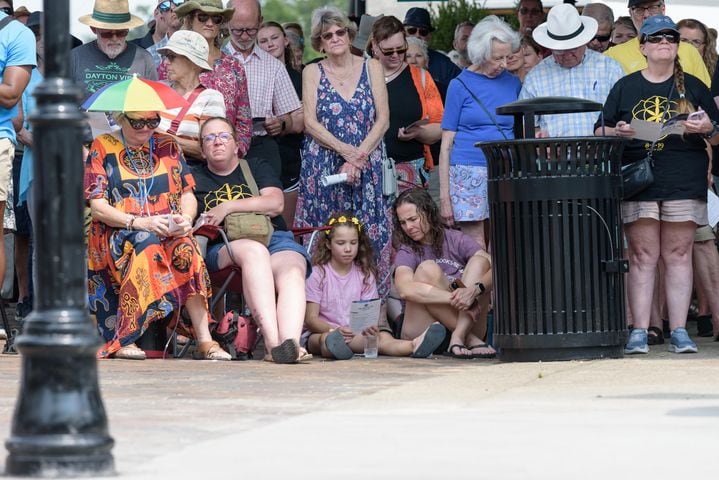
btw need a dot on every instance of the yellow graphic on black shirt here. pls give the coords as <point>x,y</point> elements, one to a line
<point>225,193</point>
<point>654,109</point>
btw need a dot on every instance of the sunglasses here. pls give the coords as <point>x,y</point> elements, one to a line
<point>391,51</point>
<point>108,34</point>
<point>413,30</point>
<point>203,17</point>
<point>8,11</point>
<point>170,57</point>
<point>327,36</point>
<point>250,32</point>
<point>211,137</point>
<point>140,123</point>
<point>602,38</point>
<point>657,38</point>
<point>167,5</point>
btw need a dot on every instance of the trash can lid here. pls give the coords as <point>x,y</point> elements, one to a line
<point>549,105</point>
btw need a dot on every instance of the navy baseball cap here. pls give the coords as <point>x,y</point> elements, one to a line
<point>657,23</point>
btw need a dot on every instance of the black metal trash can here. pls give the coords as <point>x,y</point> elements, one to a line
<point>557,247</point>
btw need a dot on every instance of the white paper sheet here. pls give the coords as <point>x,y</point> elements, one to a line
<point>364,314</point>
<point>713,208</point>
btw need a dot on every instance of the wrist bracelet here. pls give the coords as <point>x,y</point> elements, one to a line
<point>713,131</point>
<point>129,221</point>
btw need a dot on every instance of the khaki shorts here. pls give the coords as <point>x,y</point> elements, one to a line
<point>666,211</point>
<point>704,234</point>
<point>7,153</point>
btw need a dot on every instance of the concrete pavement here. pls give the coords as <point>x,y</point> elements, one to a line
<point>648,416</point>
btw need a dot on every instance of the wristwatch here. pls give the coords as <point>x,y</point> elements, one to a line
<point>714,130</point>
<point>480,286</point>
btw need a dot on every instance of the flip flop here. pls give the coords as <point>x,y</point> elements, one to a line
<point>286,352</point>
<point>450,353</point>
<point>655,336</point>
<point>433,337</point>
<point>482,355</point>
<point>336,345</point>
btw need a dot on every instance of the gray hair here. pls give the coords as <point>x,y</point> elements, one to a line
<point>327,16</point>
<point>459,27</point>
<point>420,43</point>
<point>479,45</point>
<point>601,13</point>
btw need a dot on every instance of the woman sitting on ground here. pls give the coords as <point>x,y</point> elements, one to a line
<point>143,263</point>
<point>276,271</point>
<point>344,272</point>
<point>443,276</point>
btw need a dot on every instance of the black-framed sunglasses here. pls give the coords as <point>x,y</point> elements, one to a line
<point>108,34</point>
<point>327,36</point>
<point>250,32</point>
<point>202,17</point>
<point>388,52</point>
<point>140,123</point>
<point>211,137</point>
<point>167,5</point>
<point>8,11</point>
<point>658,37</point>
<point>413,30</point>
<point>602,38</point>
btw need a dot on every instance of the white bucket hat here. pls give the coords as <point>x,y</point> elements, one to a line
<point>189,44</point>
<point>565,29</point>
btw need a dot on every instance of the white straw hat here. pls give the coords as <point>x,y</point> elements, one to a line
<point>565,29</point>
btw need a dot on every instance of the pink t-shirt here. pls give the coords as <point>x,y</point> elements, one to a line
<point>335,293</point>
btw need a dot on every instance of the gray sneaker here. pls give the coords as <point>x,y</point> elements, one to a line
<point>637,343</point>
<point>681,343</point>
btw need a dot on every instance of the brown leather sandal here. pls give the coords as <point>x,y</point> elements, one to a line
<point>210,351</point>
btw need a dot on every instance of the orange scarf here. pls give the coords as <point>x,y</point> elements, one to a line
<point>432,108</point>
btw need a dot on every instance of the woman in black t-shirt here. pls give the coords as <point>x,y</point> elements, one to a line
<point>277,270</point>
<point>660,221</point>
<point>412,95</point>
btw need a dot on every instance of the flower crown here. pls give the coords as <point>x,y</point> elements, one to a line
<point>343,219</point>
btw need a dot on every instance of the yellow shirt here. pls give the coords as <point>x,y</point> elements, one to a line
<point>631,59</point>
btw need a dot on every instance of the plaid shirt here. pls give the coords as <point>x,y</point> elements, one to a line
<point>268,83</point>
<point>592,80</point>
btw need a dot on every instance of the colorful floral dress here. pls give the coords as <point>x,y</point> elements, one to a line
<point>350,122</point>
<point>135,277</point>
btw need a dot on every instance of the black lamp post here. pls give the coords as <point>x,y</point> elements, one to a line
<point>59,427</point>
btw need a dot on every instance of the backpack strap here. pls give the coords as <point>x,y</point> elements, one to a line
<point>5,21</point>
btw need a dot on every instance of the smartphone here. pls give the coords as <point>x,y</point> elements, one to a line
<point>696,115</point>
<point>457,283</point>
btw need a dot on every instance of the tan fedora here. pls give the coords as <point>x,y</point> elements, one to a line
<point>207,6</point>
<point>111,15</point>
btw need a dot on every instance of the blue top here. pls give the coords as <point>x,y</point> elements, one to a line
<point>17,48</point>
<point>462,114</point>
<point>29,104</point>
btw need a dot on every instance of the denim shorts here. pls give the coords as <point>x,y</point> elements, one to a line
<point>281,241</point>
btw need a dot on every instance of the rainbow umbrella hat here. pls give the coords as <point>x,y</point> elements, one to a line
<point>134,95</point>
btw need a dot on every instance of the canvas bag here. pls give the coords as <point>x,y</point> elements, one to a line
<point>249,225</point>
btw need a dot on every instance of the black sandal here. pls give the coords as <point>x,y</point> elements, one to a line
<point>655,336</point>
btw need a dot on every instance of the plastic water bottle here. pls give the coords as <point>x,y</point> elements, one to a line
<point>370,346</point>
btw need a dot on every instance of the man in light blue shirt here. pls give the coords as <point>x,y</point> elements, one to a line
<point>572,70</point>
<point>17,60</point>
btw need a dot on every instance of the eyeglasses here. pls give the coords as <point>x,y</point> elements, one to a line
<point>203,17</point>
<point>391,51</point>
<point>108,34</point>
<point>250,32</point>
<point>413,31</point>
<point>140,123</point>
<point>657,38</point>
<point>696,42</point>
<point>602,38</point>
<point>651,9</point>
<point>327,36</point>
<point>530,11</point>
<point>170,57</point>
<point>8,11</point>
<point>166,6</point>
<point>211,137</point>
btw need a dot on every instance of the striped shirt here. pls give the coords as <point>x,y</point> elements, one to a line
<point>268,83</point>
<point>209,103</point>
<point>592,80</point>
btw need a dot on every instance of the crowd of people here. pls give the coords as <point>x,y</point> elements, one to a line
<point>373,142</point>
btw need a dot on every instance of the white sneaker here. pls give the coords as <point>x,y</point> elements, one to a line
<point>3,334</point>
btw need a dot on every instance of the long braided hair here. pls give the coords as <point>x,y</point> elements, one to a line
<point>683,105</point>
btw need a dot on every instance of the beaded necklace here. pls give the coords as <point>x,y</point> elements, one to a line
<point>142,173</point>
